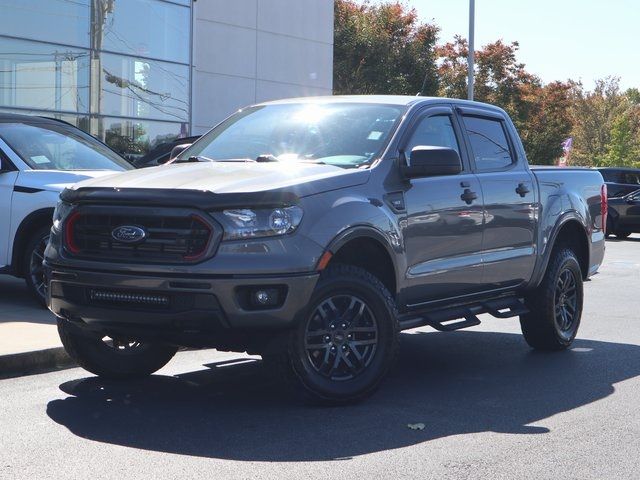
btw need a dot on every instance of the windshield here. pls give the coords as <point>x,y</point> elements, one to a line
<point>342,134</point>
<point>59,147</point>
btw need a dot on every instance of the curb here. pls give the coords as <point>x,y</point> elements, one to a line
<point>37,361</point>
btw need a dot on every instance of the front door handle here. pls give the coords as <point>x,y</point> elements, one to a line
<point>468,196</point>
<point>522,189</point>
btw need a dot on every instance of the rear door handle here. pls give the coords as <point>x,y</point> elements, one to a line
<point>522,189</point>
<point>468,196</point>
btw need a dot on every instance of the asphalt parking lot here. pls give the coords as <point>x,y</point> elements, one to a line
<point>491,407</point>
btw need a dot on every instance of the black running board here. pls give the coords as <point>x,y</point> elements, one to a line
<point>465,316</point>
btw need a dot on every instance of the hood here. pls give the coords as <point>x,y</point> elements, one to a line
<point>57,180</point>
<point>234,177</point>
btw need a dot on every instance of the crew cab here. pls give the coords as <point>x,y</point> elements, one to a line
<point>39,157</point>
<point>312,231</point>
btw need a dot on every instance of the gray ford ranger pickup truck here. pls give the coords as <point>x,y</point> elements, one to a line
<point>312,231</point>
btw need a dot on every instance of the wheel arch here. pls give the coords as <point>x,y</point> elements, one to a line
<point>358,246</point>
<point>569,232</point>
<point>32,222</point>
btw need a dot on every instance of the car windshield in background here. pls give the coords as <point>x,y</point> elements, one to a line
<point>45,146</point>
<point>343,134</point>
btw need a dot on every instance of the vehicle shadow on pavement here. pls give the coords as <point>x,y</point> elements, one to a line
<point>453,383</point>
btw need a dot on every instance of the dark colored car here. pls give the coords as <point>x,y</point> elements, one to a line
<point>624,215</point>
<point>161,154</point>
<point>620,181</point>
<point>323,228</point>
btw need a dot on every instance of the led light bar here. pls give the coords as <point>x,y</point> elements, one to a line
<point>128,298</point>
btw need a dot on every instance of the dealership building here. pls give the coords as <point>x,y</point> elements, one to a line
<point>136,73</point>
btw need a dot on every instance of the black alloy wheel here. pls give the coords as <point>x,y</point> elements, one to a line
<point>341,337</point>
<point>345,343</point>
<point>566,301</point>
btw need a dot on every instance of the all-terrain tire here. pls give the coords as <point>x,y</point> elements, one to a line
<point>555,307</point>
<point>98,357</point>
<point>298,363</point>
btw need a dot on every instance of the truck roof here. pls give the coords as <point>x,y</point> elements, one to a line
<point>406,100</point>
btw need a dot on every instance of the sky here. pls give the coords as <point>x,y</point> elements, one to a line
<point>559,39</point>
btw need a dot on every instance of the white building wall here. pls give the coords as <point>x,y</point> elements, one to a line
<point>248,51</point>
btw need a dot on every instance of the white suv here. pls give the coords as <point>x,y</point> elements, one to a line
<point>39,157</point>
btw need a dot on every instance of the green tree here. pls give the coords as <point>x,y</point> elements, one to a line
<point>623,149</point>
<point>382,49</point>
<point>545,121</point>
<point>539,112</point>
<point>594,114</point>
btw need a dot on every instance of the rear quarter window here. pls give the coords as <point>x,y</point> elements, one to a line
<point>489,142</point>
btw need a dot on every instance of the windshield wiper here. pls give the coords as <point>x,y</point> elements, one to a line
<point>195,158</point>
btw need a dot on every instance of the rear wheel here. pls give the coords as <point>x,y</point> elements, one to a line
<point>622,234</point>
<point>114,357</point>
<point>347,341</point>
<point>556,305</point>
<point>32,265</point>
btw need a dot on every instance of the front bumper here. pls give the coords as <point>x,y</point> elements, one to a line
<point>198,303</point>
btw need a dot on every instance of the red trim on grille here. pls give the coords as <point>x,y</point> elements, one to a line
<point>69,241</point>
<point>198,255</point>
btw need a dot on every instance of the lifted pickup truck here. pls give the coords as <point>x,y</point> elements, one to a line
<point>312,231</point>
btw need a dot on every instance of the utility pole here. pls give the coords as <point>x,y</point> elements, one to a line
<point>470,59</point>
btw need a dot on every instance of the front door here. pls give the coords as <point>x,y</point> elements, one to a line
<point>443,227</point>
<point>7,181</point>
<point>510,204</point>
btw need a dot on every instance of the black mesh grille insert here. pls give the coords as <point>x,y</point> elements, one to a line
<point>175,238</point>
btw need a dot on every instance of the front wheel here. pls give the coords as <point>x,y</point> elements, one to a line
<point>347,341</point>
<point>556,305</point>
<point>114,357</point>
<point>622,234</point>
<point>32,265</point>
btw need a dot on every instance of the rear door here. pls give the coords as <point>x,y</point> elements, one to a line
<point>443,227</point>
<point>510,203</point>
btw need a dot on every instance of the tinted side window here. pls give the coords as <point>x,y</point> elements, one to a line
<point>436,131</point>
<point>609,176</point>
<point>488,142</point>
<point>632,178</point>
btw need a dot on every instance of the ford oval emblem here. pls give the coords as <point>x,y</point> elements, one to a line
<point>128,234</point>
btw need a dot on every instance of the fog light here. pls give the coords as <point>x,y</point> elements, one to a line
<point>261,297</point>
<point>265,297</point>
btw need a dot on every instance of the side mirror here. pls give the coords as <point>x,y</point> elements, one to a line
<point>427,161</point>
<point>178,149</point>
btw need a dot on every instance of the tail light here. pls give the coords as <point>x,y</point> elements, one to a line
<point>604,206</point>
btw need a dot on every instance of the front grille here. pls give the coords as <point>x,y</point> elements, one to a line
<point>174,238</point>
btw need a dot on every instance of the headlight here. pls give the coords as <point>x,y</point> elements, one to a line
<point>249,223</point>
<point>60,213</point>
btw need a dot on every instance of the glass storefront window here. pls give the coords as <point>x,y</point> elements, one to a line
<point>100,65</point>
<point>134,87</point>
<point>43,76</point>
<point>80,121</point>
<point>133,138</point>
<point>146,28</point>
<point>59,21</point>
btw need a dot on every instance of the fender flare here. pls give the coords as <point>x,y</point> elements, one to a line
<point>368,232</point>
<point>570,216</point>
